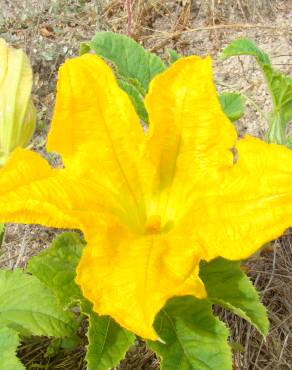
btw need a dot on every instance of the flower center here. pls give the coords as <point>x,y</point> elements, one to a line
<point>153,224</point>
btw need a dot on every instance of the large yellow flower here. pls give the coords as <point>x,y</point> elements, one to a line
<point>152,205</point>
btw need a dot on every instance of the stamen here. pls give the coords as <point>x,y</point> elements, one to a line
<point>153,224</point>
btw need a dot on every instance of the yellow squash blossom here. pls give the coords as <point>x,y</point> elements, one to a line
<point>17,112</point>
<point>152,205</point>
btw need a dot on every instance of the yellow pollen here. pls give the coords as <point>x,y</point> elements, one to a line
<point>153,224</point>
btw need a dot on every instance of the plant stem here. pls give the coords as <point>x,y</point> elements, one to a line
<point>128,6</point>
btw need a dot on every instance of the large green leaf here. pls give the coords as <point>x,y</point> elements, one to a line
<point>28,305</point>
<point>232,105</point>
<point>136,98</point>
<point>56,267</point>
<point>194,338</point>
<point>228,286</point>
<point>244,46</point>
<point>9,342</point>
<point>131,60</point>
<point>107,342</point>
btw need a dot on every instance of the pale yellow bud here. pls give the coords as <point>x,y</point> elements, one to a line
<point>17,112</point>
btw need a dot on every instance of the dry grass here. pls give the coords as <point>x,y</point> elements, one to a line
<point>271,273</point>
<point>52,31</point>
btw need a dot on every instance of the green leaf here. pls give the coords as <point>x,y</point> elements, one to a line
<point>173,56</point>
<point>107,341</point>
<point>84,48</point>
<point>194,338</point>
<point>131,60</point>
<point>244,46</point>
<point>26,303</point>
<point>232,105</point>
<point>136,99</point>
<point>289,142</point>
<point>280,87</point>
<point>56,267</point>
<point>9,342</point>
<point>228,286</point>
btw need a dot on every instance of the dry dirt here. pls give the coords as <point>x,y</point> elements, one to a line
<point>51,31</point>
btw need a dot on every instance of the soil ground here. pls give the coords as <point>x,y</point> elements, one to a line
<point>51,31</point>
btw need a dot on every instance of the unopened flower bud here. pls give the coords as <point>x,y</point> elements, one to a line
<point>17,112</point>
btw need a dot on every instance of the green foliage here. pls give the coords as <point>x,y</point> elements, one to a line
<point>136,98</point>
<point>9,342</point>
<point>244,46</point>
<point>131,60</point>
<point>194,338</point>
<point>28,306</point>
<point>228,286</point>
<point>173,56</point>
<point>232,105</point>
<point>279,85</point>
<point>84,48</point>
<point>56,267</point>
<point>135,66</point>
<point>289,142</point>
<point>2,232</point>
<point>107,342</point>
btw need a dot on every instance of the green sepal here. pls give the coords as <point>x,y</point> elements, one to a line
<point>29,306</point>
<point>232,105</point>
<point>228,286</point>
<point>9,341</point>
<point>131,60</point>
<point>192,338</point>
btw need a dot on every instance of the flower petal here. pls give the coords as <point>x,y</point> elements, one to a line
<point>249,205</point>
<point>189,133</point>
<point>131,277</point>
<point>33,192</point>
<point>96,130</point>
